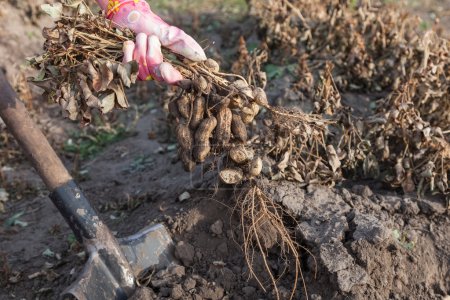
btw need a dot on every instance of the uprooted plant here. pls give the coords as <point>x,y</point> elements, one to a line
<point>81,71</point>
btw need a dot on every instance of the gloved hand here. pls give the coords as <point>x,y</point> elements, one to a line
<point>152,32</point>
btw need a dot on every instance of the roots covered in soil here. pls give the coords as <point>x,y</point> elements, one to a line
<point>263,229</point>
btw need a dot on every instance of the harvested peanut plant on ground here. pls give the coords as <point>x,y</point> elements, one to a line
<point>370,47</point>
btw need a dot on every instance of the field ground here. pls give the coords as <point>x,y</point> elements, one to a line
<point>363,241</point>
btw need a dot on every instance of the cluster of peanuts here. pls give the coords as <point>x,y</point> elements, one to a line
<point>212,119</point>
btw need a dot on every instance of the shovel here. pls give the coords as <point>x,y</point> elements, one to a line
<point>114,264</point>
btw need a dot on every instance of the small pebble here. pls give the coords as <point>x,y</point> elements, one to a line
<point>217,227</point>
<point>178,271</point>
<point>189,284</point>
<point>185,196</point>
<point>185,252</point>
<point>177,292</point>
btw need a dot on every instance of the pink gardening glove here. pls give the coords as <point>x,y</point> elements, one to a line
<point>152,32</point>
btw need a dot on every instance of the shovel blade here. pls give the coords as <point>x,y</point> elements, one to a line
<point>150,247</point>
<point>96,282</point>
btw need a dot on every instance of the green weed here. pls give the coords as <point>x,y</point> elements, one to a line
<point>86,145</point>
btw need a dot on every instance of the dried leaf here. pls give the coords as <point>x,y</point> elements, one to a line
<point>333,158</point>
<point>40,76</point>
<point>94,75</point>
<point>106,75</point>
<point>122,101</point>
<point>107,103</point>
<point>84,86</point>
<point>283,164</point>
<point>128,72</point>
<point>68,102</point>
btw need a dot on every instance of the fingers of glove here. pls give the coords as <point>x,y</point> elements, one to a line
<point>128,51</point>
<point>141,49</point>
<point>140,18</point>
<point>154,56</point>
<point>147,52</point>
<point>169,73</point>
<point>140,54</point>
<point>181,43</point>
<point>129,54</point>
<point>158,69</point>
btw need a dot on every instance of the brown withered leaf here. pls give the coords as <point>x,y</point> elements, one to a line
<point>121,99</point>
<point>68,102</point>
<point>94,76</point>
<point>107,102</point>
<point>128,73</point>
<point>85,89</point>
<point>93,102</point>
<point>333,158</point>
<point>50,34</point>
<point>106,75</point>
<point>284,162</point>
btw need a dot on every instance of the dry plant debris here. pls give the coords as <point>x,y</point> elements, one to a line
<point>419,152</point>
<point>80,69</point>
<point>374,47</point>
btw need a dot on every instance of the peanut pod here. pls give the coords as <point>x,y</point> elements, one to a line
<point>231,175</point>
<point>239,129</point>
<point>216,103</point>
<point>173,110</point>
<point>242,87</point>
<point>198,112</point>
<point>236,102</point>
<point>255,108</point>
<point>223,130</point>
<point>212,65</point>
<point>202,85</point>
<point>255,167</point>
<point>249,112</point>
<point>184,107</point>
<point>202,135</point>
<point>187,161</point>
<point>185,137</point>
<point>240,154</point>
<point>260,97</point>
<point>247,115</point>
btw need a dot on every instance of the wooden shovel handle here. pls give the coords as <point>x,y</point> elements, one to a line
<point>30,137</point>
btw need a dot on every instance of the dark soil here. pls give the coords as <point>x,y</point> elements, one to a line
<point>363,241</point>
